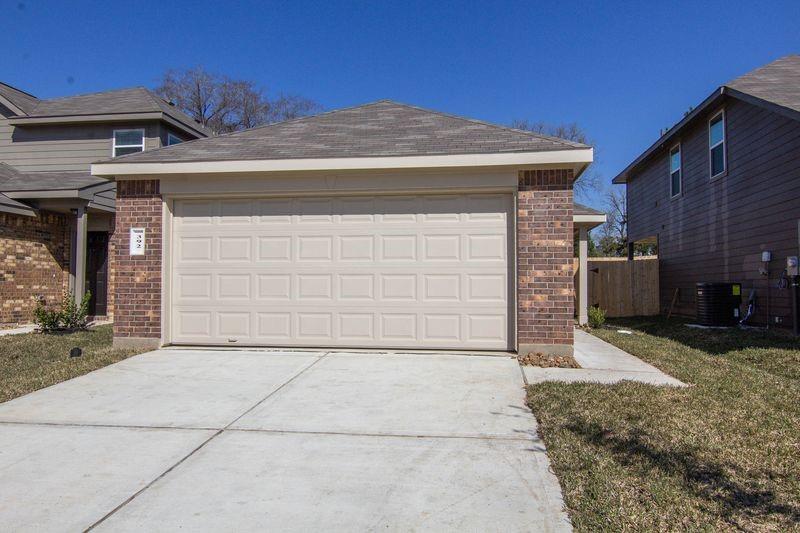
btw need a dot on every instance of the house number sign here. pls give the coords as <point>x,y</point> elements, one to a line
<point>137,241</point>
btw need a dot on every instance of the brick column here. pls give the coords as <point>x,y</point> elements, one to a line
<point>545,317</point>
<point>137,278</point>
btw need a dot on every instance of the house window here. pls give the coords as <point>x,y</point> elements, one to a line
<point>675,171</point>
<point>716,144</point>
<point>128,142</point>
<point>173,139</point>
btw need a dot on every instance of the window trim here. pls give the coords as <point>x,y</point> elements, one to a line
<point>114,144</point>
<point>680,169</point>
<point>171,135</point>
<point>723,142</point>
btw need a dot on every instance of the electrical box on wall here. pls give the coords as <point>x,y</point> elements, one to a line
<point>792,266</point>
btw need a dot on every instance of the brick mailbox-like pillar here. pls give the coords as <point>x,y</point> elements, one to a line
<point>137,278</point>
<point>545,317</point>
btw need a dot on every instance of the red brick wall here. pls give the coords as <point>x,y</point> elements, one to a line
<point>34,262</point>
<point>112,271</point>
<point>544,258</point>
<point>137,279</point>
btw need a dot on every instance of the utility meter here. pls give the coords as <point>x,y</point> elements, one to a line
<point>792,266</point>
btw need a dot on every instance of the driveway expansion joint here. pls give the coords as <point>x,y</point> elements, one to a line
<point>216,434</point>
<point>381,435</point>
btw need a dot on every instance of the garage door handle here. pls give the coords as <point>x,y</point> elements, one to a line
<point>233,340</point>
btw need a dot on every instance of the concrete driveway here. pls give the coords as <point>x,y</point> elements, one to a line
<point>253,440</point>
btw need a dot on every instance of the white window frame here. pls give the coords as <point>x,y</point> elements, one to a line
<point>114,144</point>
<point>680,169</point>
<point>723,142</point>
<point>171,136</point>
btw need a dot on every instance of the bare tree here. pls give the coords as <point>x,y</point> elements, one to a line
<point>616,225</point>
<point>590,179</point>
<point>614,233</point>
<point>225,104</point>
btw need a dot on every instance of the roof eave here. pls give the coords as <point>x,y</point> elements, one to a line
<point>576,156</point>
<point>766,104</point>
<point>589,221</point>
<point>197,132</point>
<point>712,99</point>
<point>17,209</point>
<point>68,119</point>
<point>86,192</point>
<point>12,106</point>
<point>108,117</point>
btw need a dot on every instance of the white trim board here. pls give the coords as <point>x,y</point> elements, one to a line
<point>516,159</point>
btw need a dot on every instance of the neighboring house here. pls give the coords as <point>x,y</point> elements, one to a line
<point>721,187</point>
<point>378,226</point>
<point>55,217</point>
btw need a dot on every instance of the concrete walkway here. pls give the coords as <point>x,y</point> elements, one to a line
<point>601,362</point>
<point>252,440</point>
<point>30,328</point>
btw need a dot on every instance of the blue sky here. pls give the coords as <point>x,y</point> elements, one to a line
<point>622,70</point>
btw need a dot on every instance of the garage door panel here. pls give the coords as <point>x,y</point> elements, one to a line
<point>314,287</point>
<point>314,248</point>
<point>356,287</point>
<point>314,326</point>
<point>274,327</point>
<point>274,287</point>
<point>356,326</point>
<point>372,271</point>
<point>274,248</point>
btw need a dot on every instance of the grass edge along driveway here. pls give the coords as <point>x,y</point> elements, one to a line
<point>721,454</point>
<point>32,361</point>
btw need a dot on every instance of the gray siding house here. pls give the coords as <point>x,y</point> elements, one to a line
<point>56,219</point>
<point>723,186</point>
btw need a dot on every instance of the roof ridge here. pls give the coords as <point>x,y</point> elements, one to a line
<point>484,123</point>
<point>154,98</point>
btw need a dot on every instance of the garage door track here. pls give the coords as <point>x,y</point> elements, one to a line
<point>252,440</point>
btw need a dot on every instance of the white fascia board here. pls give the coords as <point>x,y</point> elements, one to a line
<point>514,159</point>
<point>589,218</point>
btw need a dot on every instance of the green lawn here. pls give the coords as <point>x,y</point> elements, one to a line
<point>32,361</point>
<point>722,454</point>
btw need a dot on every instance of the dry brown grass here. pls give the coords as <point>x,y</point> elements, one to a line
<point>32,361</point>
<point>723,454</point>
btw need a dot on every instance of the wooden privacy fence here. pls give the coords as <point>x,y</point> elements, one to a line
<point>623,287</point>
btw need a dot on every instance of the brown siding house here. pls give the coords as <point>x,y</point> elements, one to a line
<point>712,223</point>
<point>56,219</point>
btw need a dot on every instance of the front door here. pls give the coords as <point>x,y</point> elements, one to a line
<point>97,272</point>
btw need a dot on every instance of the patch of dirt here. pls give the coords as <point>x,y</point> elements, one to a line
<point>548,361</point>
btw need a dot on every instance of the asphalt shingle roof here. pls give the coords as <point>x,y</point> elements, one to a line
<point>12,180</point>
<point>132,100</point>
<point>26,102</point>
<point>378,129</point>
<point>777,82</point>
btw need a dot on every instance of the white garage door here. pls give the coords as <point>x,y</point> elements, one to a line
<point>426,271</point>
